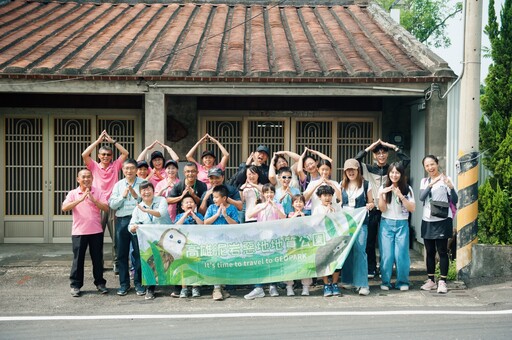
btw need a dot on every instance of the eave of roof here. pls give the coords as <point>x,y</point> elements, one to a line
<point>210,42</point>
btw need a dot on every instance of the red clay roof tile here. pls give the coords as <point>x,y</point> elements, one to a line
<point>200,40</point>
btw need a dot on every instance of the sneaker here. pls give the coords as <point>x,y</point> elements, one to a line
<point>184,293</point>
<point>365,291</point>
<point>139,290</point>
<point>429,285</point>
<point>75,292</point>
<point>383,287</point>
<point>175,294</point>
<point>289,291</point>
<point>371,274</point>
<point>196,292</point>
<point>346,286</point>
<point>150,294</point>
<point>255,293</point>
<point>441,288</point>
<point>217,294</point>
<point>404,288</point>
<point>272,290</point>
<point>102,289</point>
<point>335,290</point>
<point>327,290</point>
<point>305,291</point>
<point>225,294</point>
<point>123,291</point>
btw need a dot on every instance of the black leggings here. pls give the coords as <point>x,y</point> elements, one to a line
<point>442,249</point>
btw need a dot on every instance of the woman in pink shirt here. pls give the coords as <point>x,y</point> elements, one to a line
<point>208,159</point>
<point>157,160</point>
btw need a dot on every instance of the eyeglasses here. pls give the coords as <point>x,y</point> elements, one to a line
<point>286,177</point>
<point>105,154</point>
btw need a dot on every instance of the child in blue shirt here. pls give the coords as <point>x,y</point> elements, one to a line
<point>220,212</point>
<point>189,216</point>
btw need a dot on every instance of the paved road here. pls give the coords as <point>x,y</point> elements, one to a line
<point>35,302</point>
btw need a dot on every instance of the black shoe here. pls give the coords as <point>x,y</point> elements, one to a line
<point>150,294</point>
<point>102,289</point>
<point>115,269</point>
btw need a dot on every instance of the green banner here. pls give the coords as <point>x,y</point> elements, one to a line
<point>262,252</point>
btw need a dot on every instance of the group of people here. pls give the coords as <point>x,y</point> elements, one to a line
<point>151,192</point>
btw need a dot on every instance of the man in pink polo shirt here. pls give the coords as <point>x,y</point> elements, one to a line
<point>86,202</point>
<point>106,174</point>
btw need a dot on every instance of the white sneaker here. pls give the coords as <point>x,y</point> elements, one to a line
<point>346,286</point>
<point>272,290</point>
<point>364,291</point>
<point>383,287</point>
<point>429,285</point>
<point>305,291</point>
<point>255,293</point>
<point>289,291</point>
<point>404,288</point>
<point>441,287</point>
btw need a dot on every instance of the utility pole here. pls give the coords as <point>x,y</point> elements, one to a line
<point>468,138</point>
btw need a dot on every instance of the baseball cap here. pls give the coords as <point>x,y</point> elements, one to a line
<point>171,162</point>
<point>215,172</point>
<point>208,153</point>
<point>263,148</point>
<point>142,164</point>
<point>351,163</point>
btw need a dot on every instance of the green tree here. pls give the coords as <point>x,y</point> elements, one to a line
<point>425,19</point>
<point>495,201</point>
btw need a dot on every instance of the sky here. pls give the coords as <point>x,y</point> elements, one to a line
<point>454,54</point>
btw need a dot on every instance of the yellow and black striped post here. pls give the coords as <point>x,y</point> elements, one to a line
<point>467,227</point>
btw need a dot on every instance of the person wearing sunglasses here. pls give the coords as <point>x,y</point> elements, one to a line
<point>105,175</point>
<point>285,192</point>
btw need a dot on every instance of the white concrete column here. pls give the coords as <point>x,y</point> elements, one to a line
<point>155,117</point>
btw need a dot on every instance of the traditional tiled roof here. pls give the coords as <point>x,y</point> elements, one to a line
<point>206,40</point>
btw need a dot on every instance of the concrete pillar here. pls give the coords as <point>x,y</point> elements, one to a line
<point>155,117</point>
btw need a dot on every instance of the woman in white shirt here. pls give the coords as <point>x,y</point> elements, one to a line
<point>436,230</point>
<point>396,202</point>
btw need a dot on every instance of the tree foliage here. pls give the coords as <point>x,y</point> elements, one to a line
<point>495,201</point>
<point>425,19</point>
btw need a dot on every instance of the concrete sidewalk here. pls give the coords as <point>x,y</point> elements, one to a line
<point>34,281</point>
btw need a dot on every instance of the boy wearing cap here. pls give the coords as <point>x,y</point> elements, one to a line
<point>208,159</point>
<point>259,159</point>
<point>157,160</point>
<point>105,175</point>
<point>376,174</point>
<point>216,177</point>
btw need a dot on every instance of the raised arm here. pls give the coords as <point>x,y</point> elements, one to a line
<point>272,170</point>
<point>225,154</point>
<point>123,152</point>
<point>190,154</point>
<point>86,155</point>
<point>321,155</point>
<point>142,155</point>
<point>171,152</point>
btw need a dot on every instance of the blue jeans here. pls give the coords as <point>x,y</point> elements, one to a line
<point>355,268</point>
<point>394,248</point>
<point>123,240</point>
